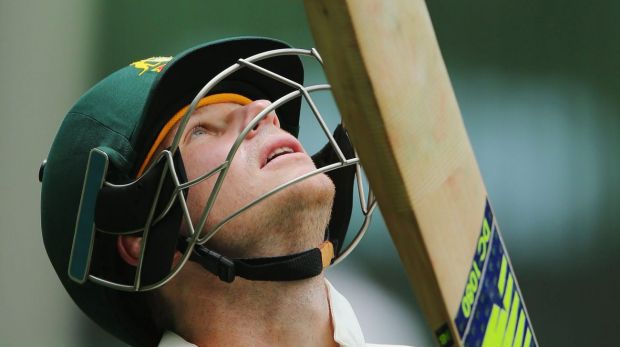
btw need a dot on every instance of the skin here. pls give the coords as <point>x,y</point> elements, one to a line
<point>197,305</point>
<point>206,140</point>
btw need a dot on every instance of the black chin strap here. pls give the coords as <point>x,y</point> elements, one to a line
<point>291,267</point>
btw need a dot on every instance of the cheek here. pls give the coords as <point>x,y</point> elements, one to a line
<point>201,160</point>
<point>198,162</point>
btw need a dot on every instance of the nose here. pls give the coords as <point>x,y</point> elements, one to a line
<point>252,110</point>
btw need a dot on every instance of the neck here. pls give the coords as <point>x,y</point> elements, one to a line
<point>252,313</point>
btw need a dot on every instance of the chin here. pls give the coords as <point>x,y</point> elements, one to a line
<point>290,221</point>
<point>320,187</point>
<point>308,204</point>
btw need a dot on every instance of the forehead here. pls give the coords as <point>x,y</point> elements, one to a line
<point>217,111</point>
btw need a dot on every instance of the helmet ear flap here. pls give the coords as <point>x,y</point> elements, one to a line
<point>343,179</point>
<point>162,239</point>
<point>125,210</point>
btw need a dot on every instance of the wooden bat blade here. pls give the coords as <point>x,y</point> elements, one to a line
<point>395,97</point>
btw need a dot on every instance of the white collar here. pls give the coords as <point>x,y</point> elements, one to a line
<point>347,331</point>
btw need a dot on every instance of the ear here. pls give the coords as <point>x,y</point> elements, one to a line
<point>129,248</point>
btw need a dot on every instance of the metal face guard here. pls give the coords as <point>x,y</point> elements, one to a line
<point>160,210</point>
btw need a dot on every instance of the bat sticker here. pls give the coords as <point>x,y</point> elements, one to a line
<point>492,311</point>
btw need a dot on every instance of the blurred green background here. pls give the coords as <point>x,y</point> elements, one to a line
<point>539,87</point>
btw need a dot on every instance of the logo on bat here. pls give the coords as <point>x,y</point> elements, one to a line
<point>492,311</point>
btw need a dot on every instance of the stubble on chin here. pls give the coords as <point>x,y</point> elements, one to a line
<point>290,221</point>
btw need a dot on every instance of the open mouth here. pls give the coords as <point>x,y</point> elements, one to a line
<point>278,148</point>
<point>280,151</point>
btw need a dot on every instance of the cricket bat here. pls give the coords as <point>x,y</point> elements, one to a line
<point>395,98</point>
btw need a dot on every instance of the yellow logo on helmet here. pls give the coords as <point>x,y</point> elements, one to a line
<point>154,64</point>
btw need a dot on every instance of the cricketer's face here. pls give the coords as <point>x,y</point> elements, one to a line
<point>289,221</point>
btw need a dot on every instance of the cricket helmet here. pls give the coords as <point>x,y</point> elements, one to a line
<point>101,178</point>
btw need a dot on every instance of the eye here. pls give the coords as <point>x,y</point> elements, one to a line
<point>202,129</point>
<point>199,130</point>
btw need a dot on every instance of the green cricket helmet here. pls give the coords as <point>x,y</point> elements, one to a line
<point>92,192</point>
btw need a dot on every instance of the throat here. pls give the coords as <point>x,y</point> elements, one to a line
<point>293,313</point>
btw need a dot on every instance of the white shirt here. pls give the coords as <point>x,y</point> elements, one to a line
<point>347,331</point>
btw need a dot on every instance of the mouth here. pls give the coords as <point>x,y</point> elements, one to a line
<point>279,148</point>
<point>279,152</point>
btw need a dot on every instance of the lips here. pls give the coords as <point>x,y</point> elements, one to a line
<point>278,152</point>
<point>278,147</point>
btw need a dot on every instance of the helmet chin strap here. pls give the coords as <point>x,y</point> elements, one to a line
<point>291,267</point>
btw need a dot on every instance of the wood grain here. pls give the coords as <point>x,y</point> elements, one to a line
<point>396,99</point>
